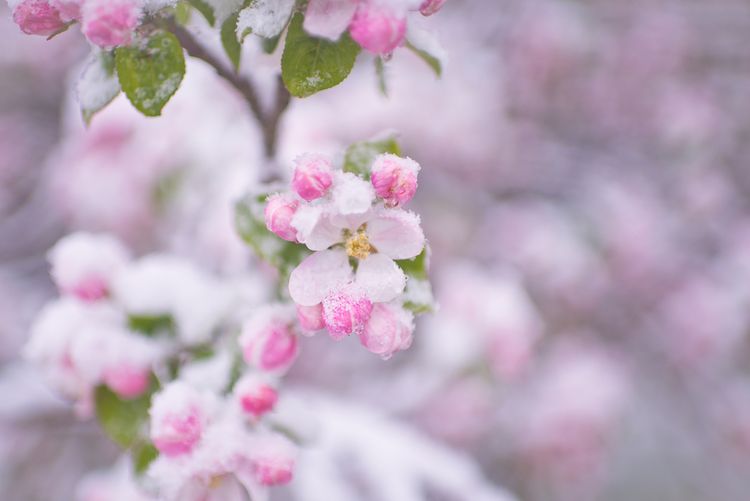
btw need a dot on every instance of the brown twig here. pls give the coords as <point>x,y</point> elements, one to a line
<point>267,120</point>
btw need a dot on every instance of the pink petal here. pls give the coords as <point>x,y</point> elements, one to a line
<point>329,18</point>
<point>381,278</point>
<point>396,233</point>
<point>318,275</point>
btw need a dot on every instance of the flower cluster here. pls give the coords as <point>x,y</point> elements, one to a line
<point>358,231</point>
<point>378,26</point>
<point>151,340</point>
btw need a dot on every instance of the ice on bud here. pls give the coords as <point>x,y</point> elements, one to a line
<point>273,459</point>
<point>429,7</point>
<point>279,211</point>
<point>389,330</point>
<point>37,17</point>
<point>84,264</point>
<point>394,178</point>
<point>312,176</point>
<point>267,340</point>
<point>179,416</point>
<point>378,28</point>
<point>255,394</point>
<point>345,311</point>
<point>110,23</point>
<point>310,317</point>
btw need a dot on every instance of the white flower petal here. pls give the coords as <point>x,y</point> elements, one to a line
<point>380,277</point>
<point>329,18</point>
<point>315,228</point>
<point>396,233</point>
<point>317,275</point>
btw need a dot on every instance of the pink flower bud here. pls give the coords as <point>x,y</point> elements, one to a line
<point>377,28</point>
<point>273,459</point>
<point>179,416</point>
<point>312,176</point>
<point>394,178</point>
<point>255,395</point>
<point>37,17</point>
<point>311,317</point>
<point>268,342</point>
<point>346,311</point>
<point>280,210</point>
<point>127,381</point>
<point>429,7</point>
<point>70,10</point>
<point>389,330</point>
<point>110,23</point>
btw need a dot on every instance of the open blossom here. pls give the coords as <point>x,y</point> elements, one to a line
<point>378,27</point>
<point>389,330</point>
<point>429,7</point>
<point>394,178</point>
<point>179,416</point>
<point>110,23</point>
<point>268,341</point>
<point>84,264</point>
<point>37,17</point>
<point>312,176</point>
<point>279,211</point>
<point>255,394</point>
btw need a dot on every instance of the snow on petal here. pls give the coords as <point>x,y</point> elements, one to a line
<point>396,233</point>
<point>352,194</point>
<point>318,275</point>
<point>381,278</point>
<point>329,18</point>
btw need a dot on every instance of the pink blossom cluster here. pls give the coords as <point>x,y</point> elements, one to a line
<point>357,230</point>
<point>104,23</point>
<point>379,26</point>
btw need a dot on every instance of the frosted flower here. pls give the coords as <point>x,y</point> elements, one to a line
<point>394,178</point>
<point>273,459</point>
<point>312,176</point>
<point>110,23</point>
<point>389,330</point>
<point>378,28</point>
<point>329,18</point>
<point>179,416</point>
<point>70,10</point>
<point>279,211</point>
<point>429,7</point>
<point>267,339</point>
<point>310,318</point>
<point>84,264</point>
<point>37,17</point>
<point>346,310</point>
<point>255,395</point>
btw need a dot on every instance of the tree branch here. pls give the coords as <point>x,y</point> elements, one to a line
<point>268,121</point>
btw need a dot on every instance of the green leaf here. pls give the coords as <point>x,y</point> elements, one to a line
<point>269,45</point>
<point>310,65</point>
<point>232,46</point>
<point>418,296</point>
<point>430,59</point>
<point>143,454</point>
<point>151,72</point>
<point>359,156</point>
<point>205,9</point>
<point>151,326</point>
<point>122,420</point>
<point>182,13</point>
<point>415,267</point>
<point>251,226</point>
<point>97,85</point>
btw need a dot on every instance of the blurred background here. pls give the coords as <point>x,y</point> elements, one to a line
<point>585,191</point>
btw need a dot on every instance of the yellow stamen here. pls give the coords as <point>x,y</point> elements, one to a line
<point>358,245</point>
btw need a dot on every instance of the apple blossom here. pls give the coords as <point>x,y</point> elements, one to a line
<point>255,394</point>
<point>429,7</point>
<point>388,330</point>
<point>273,459</point>
<point>70,10</point>
<point>378,27</point>
<point>312,176</point>
<point>37,17</point>
<point>310,317</point>
<point>179,416</point>
<point>268,341</point>
<point>394,178</point>
<point>346,310</point>
<point>279,213</point>
<point>84,264</point>
<point>110,23</point>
